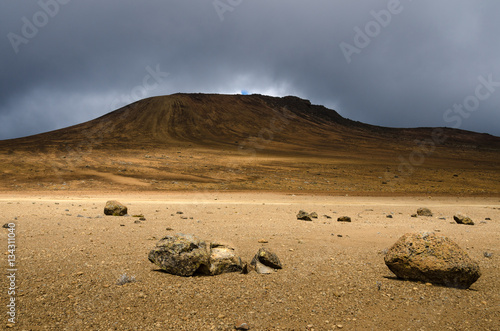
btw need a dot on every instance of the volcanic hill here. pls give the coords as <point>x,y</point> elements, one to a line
<point>249,142</point>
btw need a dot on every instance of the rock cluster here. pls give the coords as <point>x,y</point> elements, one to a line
<point>305,216</point>
<point>432,258</point>
<point>187,255</point>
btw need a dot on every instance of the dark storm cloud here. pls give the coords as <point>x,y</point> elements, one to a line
<point>392,63</point>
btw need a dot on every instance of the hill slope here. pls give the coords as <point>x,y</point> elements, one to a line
<point>199,141</point>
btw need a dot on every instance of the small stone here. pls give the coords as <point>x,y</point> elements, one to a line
<point>179,213</point>
<point>304,216</point>
<point>115,208</point>
<point>6,226</point>
<point>268,258</point>
<point>389,216</point>
<point>169,229</point>
<point>344,219</point>
<point>245,269</point>
<point>414,215</point>
<point>328,217</point>
<point>263,241</point>
<point>314,214</point>
<point>142,219</point>
<point>488,254</point>
<point>240,325</point>
<point>424,212</point>
<point>462,219</point>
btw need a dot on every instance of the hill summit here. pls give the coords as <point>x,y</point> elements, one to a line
<point>188,141</point>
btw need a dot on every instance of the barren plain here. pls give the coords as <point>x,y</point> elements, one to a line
<point>70,257</point>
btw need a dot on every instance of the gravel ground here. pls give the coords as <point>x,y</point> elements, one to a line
<point>69,257</point>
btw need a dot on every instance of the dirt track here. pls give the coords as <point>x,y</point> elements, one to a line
<point>334,275</point>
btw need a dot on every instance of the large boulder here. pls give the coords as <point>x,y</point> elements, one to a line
<point>463,219</point>
<point>186,255</point>
<point>432,258</point>
<point>115,208</point>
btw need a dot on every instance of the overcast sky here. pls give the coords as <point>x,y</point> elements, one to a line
<point>392,63</point>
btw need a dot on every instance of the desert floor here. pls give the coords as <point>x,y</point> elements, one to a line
<point>69,257</point>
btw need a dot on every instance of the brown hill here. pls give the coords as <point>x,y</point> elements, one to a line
<point>199,141</point>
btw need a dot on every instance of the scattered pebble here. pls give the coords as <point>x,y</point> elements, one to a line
<point>240,325</point>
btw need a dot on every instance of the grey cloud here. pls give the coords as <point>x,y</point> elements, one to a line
<point>92,56</point>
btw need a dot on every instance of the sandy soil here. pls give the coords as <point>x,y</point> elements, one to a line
<point>69,257</point>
